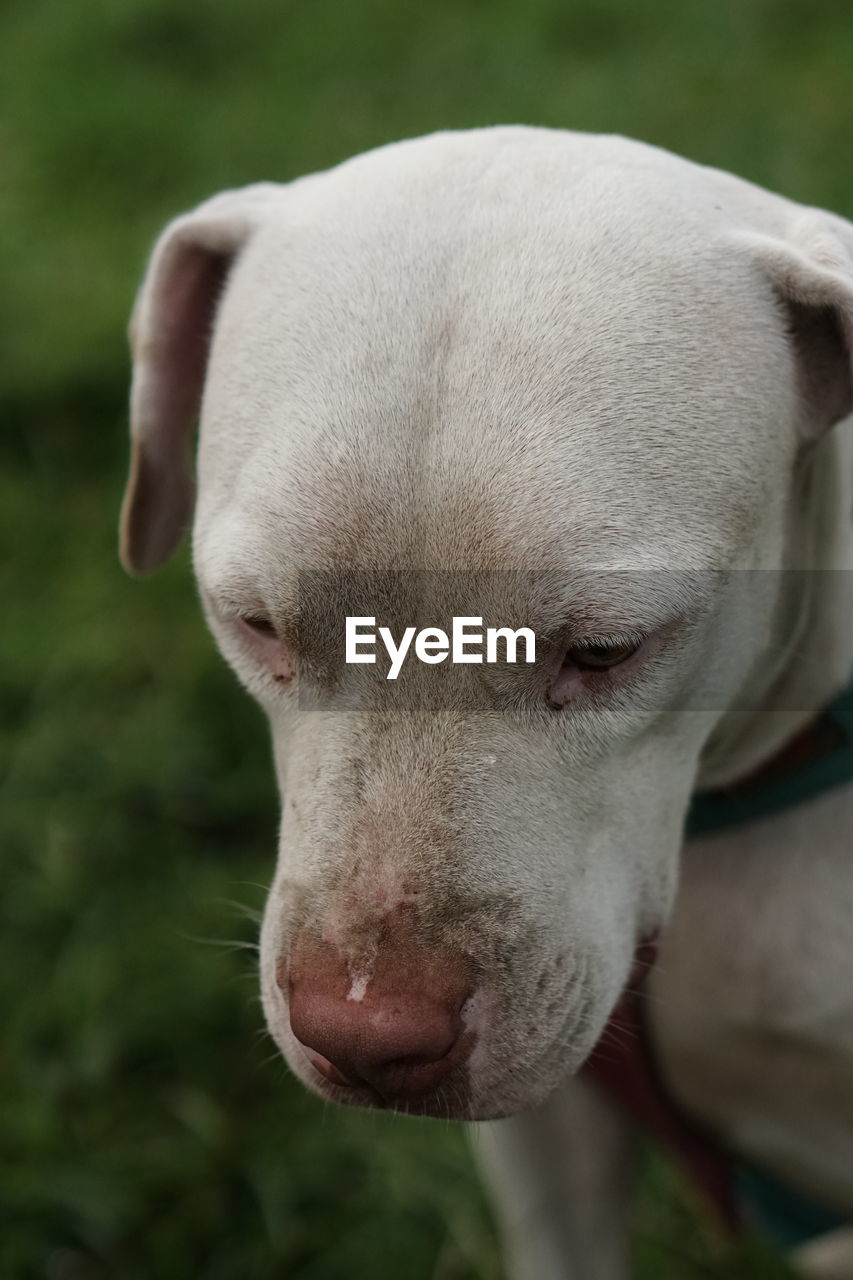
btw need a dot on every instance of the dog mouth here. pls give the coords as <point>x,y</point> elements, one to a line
<point>473,1082</point>
<point>470,1080</point>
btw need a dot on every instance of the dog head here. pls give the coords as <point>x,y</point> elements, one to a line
<point>538,378</point>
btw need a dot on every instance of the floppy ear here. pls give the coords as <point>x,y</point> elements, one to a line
<point>811,270</point>
<point>170,332</point>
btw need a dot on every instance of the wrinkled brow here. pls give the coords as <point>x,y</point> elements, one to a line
<point>552,603</point>
<point>617,600</point>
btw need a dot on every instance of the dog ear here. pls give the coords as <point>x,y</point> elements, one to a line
<point>170,332</point>
<point>811,270</point>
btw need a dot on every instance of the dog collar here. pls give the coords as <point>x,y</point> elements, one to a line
<point>739,1196</point>
<point>623,1063</point>
<point>815,760</point>
<point>624,1068</point>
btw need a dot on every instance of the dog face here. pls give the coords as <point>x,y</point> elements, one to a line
<point>538,378</point>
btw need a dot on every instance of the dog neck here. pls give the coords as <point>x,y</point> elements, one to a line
<point>817,655</point>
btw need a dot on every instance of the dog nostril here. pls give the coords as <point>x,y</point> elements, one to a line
<point>406,1042</point>
<point>328,1069</point>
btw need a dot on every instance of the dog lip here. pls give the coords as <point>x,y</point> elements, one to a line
<point>645,958</point>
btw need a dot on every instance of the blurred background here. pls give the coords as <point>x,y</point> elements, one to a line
<point>147,1128</point>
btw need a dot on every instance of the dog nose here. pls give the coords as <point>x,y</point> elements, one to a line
<point>398,1030</point>
<point>400,1046</point>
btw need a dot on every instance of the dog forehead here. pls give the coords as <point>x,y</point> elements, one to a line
<point>445,364</point>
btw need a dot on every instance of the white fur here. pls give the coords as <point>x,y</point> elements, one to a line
<point>519,349</point>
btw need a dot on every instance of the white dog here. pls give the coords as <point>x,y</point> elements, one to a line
<point>579,384</point>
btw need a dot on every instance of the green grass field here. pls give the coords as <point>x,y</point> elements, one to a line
<point>147,1130</point>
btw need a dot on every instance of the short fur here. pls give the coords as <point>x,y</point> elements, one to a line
<point>622,375</point>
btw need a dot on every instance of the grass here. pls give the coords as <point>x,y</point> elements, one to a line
<point>145,1129</point>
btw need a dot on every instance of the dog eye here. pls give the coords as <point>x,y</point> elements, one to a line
<point>267,644</point>
<point>259,624</point>
<point>595,658</point>
<point>601,656</point>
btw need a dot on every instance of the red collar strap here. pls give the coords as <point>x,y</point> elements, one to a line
<point>622,1065</point>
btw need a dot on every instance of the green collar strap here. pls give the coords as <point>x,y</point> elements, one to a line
<point>819,758</point>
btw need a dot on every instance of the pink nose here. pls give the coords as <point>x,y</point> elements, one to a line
<point>397,1031</point>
